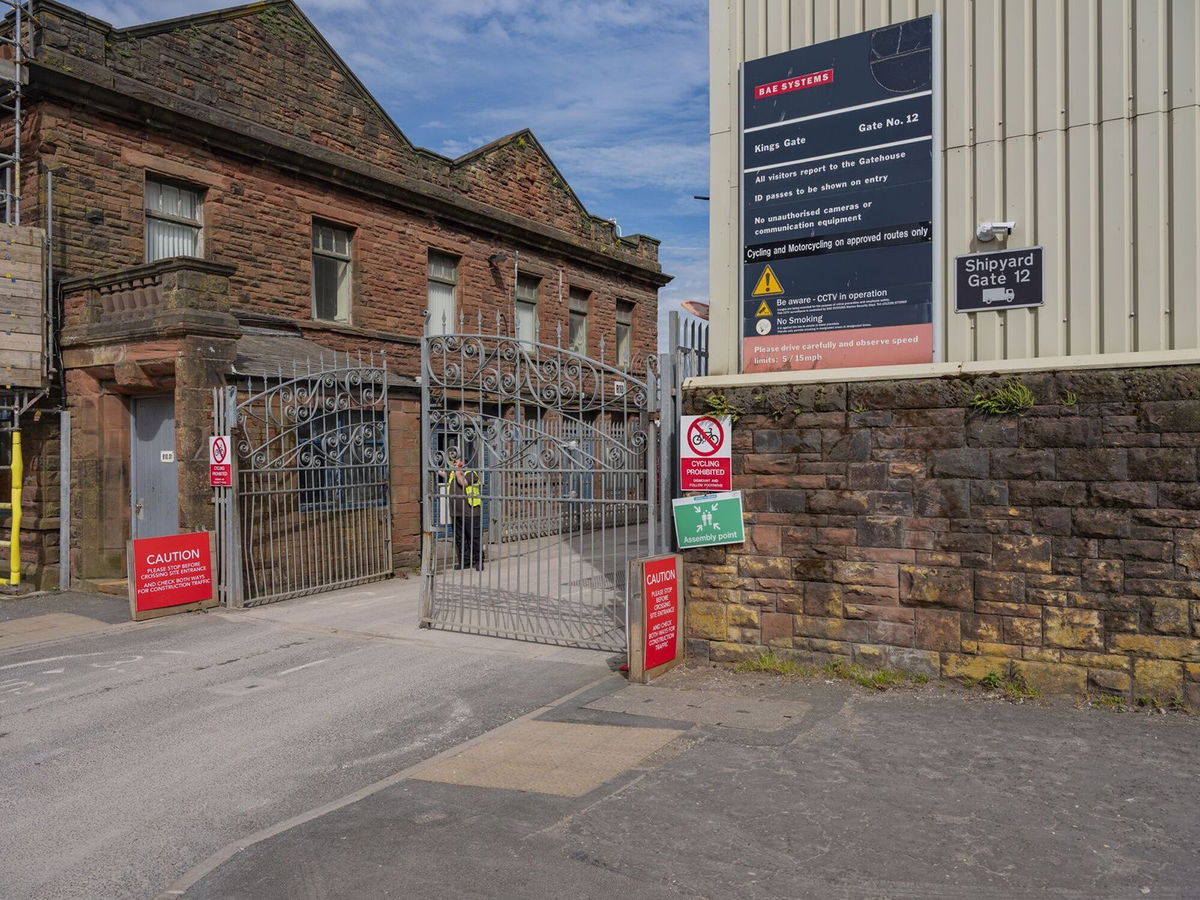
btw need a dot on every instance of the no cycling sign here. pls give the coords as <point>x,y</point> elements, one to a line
<point>705,462</point>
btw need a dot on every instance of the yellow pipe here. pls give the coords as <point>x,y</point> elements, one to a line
<point>18,473</point>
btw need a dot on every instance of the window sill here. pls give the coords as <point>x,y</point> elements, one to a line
<point>357,331</point>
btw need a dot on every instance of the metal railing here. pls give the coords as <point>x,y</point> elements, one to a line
<point>310,507</point>
<point>563,448</point>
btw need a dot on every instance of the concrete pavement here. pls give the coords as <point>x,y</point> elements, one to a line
<point>766,788</point>
<point>130,752</point>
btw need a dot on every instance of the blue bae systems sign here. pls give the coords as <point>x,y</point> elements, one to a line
<point>837,202</point>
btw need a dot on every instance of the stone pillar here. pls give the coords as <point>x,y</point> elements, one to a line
<point>404,457</point>
<point>203,363</point>
<point>99,478</point>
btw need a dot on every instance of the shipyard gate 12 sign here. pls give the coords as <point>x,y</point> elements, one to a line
<point>837,202</point>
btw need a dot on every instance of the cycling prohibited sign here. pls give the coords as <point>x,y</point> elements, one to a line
<point>705,457</point>
<point>220,471</point>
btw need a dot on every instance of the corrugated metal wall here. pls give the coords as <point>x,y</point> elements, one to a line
<point>1078,119</point>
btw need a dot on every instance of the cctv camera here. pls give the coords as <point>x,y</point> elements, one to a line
<point>989,231</point>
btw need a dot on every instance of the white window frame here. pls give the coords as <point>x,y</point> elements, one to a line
<point>577,309</point>
<point>441,321</point>
<point>158,215</point>
<point>624,320</point>
<point>345,286</point>
<point>525,300</point>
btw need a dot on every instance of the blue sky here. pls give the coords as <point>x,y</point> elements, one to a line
<point>616,90</point>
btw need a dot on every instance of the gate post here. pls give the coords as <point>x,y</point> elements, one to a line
<point>229,545</point>
<point>668,417</point>
<point>428,545</point>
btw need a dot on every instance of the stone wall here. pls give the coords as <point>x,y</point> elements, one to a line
<point>260,220</point>
<point>225,92</point>
<point>267,70</point>
<point>896,523</point>
<point>40,501</point>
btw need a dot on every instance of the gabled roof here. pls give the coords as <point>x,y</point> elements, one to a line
<point>468,175</point>
<point>230,13</point>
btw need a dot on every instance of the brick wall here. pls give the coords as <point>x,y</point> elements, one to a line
<point>265,68</point>
<point>894,523</point>
<point>260,219</point>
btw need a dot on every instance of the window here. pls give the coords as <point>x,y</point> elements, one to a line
<point>443,287</point>
<point>527,309</point>
<point>624,334</point>
<point>577,301</point>
<point>174,220</point>
<point>342,461</point>
<point>330,272</point>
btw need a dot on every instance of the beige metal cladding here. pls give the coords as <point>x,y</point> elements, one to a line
<point>22,307</point>
<point>1077,119</point>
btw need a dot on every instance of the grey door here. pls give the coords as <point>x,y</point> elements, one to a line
<point>155,477</point>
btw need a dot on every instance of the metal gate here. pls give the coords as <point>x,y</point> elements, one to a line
<point>310,509</point>
<point>564,449</point>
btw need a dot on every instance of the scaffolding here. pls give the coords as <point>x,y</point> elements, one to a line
<point>15,45</point>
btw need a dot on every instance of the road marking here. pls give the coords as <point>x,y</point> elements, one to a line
<point>116,662</point>
<point>48,659</point>
<point>54,671</point>
<point>316,662</point>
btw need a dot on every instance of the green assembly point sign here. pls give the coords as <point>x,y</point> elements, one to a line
<point>709,520</point>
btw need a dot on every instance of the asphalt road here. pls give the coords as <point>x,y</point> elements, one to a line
<point>132,753</point>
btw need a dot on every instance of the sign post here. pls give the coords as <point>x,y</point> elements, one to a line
<point>709,520</point>
<point>839,170</point>
<point>656,616</point>
<point>170,574</point>
<point>220,470</point>
<point>705,454</point>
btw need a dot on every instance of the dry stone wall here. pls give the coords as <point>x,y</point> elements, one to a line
<point>896,523</point>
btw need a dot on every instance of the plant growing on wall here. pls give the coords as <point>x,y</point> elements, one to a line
<point>1010,398</point>
<point>720,405</point>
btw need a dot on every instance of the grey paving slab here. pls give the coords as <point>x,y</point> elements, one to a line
<point>707,707</point>
<point>101,607</point>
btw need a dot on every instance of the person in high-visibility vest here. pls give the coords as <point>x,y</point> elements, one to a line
<point>466,508</point>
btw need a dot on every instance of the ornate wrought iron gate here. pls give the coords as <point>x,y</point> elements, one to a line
<point>310,509</point>
<point>564,449</point>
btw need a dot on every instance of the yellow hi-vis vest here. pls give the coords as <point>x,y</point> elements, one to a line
<point>471,490</point>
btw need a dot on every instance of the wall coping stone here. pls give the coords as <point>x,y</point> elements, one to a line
<point>1141,359</point>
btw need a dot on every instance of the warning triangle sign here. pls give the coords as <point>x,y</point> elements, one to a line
<point>763,310</point>
<point>767,284</point>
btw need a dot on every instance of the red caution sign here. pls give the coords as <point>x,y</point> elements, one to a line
<point>173,570</point>
<point>220,470</point>
<point>660,594</point>
<point>705,455</point>
<point>655,616</point>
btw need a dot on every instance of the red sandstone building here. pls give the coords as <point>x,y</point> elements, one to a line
<point>227,199</point>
